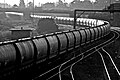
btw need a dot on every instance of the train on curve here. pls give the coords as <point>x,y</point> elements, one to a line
<point>45,47</point>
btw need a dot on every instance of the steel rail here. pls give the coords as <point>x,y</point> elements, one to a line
<point>98,10</point>
<point>112,61</point>
<point>64,68</point>
<point>108,75</point>
<point>59,66</point>
<point>102,52</point>
<point>95,51</point>
<point>71,72</point>
<point>83,58</point>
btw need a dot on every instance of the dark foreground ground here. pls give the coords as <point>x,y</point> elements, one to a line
<point>92,67</point>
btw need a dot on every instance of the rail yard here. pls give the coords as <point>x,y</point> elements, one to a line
<point>84,45</point>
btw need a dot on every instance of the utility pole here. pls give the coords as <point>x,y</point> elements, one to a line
<point>27,3</point>
<point>33,13</point>
<point>33,7</point>
<point>22,4</point>
<point>110,2</point>
<point>4,3</point>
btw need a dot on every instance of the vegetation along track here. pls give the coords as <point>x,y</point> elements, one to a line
<point>56,72</point>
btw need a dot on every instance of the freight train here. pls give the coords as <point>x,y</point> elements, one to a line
<point>45,47</point>
<point>70,21</point>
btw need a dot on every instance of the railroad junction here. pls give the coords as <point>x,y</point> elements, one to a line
<point>56,55</point>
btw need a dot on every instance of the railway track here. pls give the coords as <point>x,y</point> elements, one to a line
<point>106,58</point>
<point>47,56</point>
<point>56,72</point>
<point>110,67</point>
<point>104,63</point>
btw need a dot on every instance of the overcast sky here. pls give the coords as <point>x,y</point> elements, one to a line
<point>12,2</point>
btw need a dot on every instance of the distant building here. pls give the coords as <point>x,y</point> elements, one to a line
<point>114,6</point>
<point>15,6</point>
<point>21,32</point>
<point>115,21</point>
<point>22,4</point>
<point>4,5</point>
<point>61,5</point>
<point>48,6</point>
<point>100,4</point>
<point>81,5</point>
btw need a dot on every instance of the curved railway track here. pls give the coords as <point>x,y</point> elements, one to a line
<point>48,56</point>
<point>110,67</point>
<point>103,55</point>
<point>57,71</point>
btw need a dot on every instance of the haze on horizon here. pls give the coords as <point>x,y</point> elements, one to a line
<point>12,2</point>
